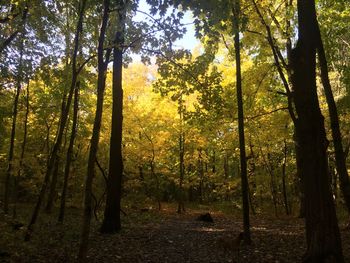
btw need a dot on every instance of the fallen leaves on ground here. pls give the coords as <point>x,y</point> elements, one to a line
<point>162,237</point>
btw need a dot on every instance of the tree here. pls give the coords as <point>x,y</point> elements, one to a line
<point>69,153</point>
<point>54,154</point>
<point>103,60</point>
<point>23,150</point>
<point>243,159</point>
<point>111,221</point>
<point>322,232</point>
<point>10,168</point>
<point>340,158</point>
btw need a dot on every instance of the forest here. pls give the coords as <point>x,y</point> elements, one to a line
<point>175,131</point>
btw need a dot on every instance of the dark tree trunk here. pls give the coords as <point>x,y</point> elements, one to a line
<point>243,159</point>
<point>201,176</point>
<point>52,189</point>
<point>181,204</point>
<point>214,161</point>
<point>9,172</point>
<point>340,160</point>
<point>23,148</point>
<point>101,84</point>
<point>270,167</point>
<point>322,232</point>
<point>284,177</point>
<point>281,66</point>
<point>111,221</point>
<point>64,117</point>
<point>69,153</point>
<point>155,176</point>
<point>252,185</point>
<point>226,174</point>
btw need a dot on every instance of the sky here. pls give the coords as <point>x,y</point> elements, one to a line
<point>188,41</point>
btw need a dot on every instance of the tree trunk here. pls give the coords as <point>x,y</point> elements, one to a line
<point>155,176</point>
<point>69,153</point>
<point>273,187</point>
<point>52,190</point>
<point>243,159</point>
<point>226,174</point>
<point>23,148</point>
<point>322,232</point>
<point>101,84</point>
<point>181,205</point>
<point>201,176</point>
<point>214,161</point>
<point>111,221</point>
<point>57,146</point>
<point>9,172</point>
<point>284,177</point>
<point>251,179</point>
<point>340,160</point>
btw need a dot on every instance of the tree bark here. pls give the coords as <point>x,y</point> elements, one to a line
<point>340,160</point>
<point>69,154</point>
<point>23,148</point>
<point>322,232</point>
<point>284,177</point>
<point>52,189</point>
<point>101,84</point>
<point>181,204</point>
<point>9,171</point>
<point>243,159</point>
<point>57,146</point>
<point>111,221</point>
<point>201,176</point>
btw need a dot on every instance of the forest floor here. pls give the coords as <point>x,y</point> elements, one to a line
<point>152,236</point>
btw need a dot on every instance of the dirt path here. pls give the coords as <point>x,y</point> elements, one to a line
<point>166,238</point>
<point>180,238</point>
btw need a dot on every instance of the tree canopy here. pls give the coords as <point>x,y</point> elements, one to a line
<point>103,111</point>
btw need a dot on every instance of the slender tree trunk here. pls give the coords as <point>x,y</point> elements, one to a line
<point>243,159</point>
<point>111,221</point>
<point>281,66</point>
<point>52,189</point>
<point>226,174</point>
<point>56,171</point>
<point>69,153</point>
<point>280,63</point>
<point>101,84</point>
<point>214,161</point>
<point>284,177</point>
<point>340,160</point>
<point>155,176</point>
<point>9,172</point>
<point>201,176</point>
<point>251,179</point>
<point>46,144</point>
<point>181,205</point>
<point>57,146</point>
<point>322,232</point>
<point>273,187</point>
<point>23,148</point>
